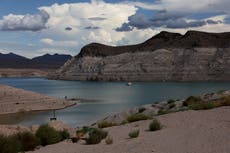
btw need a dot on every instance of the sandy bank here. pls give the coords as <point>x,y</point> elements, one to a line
<point>205,131</point>
<point>9,72</point>
<point>13,100</point>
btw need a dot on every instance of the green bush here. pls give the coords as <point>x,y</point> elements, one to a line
<point>95,136</point>
<point>202,105</point>
<point>124,122</point>
<point>155,125</point>
<point>141,110</point>
<point>64,134</point>
<point>134,134</point>
<point>109,140</point>
<point>28,140</point>
<point>172,105</point>
<point>9,144</point>
<point>137,117</point>
<point>105,124</point>
<point>170,101</point>
<point>162,111</point>
<point>224,101</point>
<point>191,100</point>
<point>48,135</point>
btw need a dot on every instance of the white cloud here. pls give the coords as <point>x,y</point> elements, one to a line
<point>26,22</point>
<point>78,16</point>
<point>97,20</point>
<point>52,42</point>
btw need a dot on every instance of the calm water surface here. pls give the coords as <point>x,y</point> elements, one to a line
<point>110,97</point>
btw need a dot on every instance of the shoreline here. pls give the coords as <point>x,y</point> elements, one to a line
<point>14,100</point>
<point>24,72</point>
<point>186,126</point>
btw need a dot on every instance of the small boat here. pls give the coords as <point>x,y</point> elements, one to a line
<point>129,84</point>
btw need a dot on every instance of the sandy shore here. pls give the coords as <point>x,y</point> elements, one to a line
<point>8,72</point>
<point>13,100</point>
<point>205,131</point>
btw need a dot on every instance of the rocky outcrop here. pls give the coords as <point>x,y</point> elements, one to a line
<point>195,56</point>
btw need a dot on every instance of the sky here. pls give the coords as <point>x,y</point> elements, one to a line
<point>33,28</point>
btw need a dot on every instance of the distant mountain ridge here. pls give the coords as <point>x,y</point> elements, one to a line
<point>194,56</point>
<point>164,39</point>
<point>12,60</point>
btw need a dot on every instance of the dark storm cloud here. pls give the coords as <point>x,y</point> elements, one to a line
<point>28,22</point>
<point>162,19</point>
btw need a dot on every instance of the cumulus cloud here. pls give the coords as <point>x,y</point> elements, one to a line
<point>73,25</point>
<point>59,43</point>
<point>28,22</point>
<point>90,22</point>
<point>163,19</point>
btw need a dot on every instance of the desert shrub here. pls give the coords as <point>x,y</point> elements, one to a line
<point>28,140</point>
<point>105,124</point>
<point>48,135</point>
<point>191,100</point>
<point>134,134</point>
<point>221,91</point>
<point>109,140</point>
<point>137,117</point>
<point>64,134</point>
<point>124,122</point>
<point>170,101</point>
<point>141,110</point>
<point>172,105</point>
<point>155,125</point>
<point>224,101</point>
<point>95,136</point>
<point>9,144</point>
<point>162,111</point>
<point>84,129</point>
<point>202,105</point>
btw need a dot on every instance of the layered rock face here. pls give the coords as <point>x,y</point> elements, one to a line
<point>195,56</point>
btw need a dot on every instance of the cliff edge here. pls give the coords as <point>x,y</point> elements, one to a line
<point>194,56</point>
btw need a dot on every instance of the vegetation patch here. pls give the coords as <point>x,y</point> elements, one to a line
<point>96,135</point>
<point>191,100</point>
<point>170,101</point>
<point>162,111</point>
<point>9,144</point>
<point>155,125</point>
<point>105,124</point>
<point>124,122</point>
<point>172,105</point>
<point>48,135</point>
<point>138,117</point>
<point>20,142</point>
<point>134,134</point>
<point>64,135</point>
<point>141,110</point>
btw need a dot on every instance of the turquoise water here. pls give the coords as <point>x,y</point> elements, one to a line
<point>110,97</point>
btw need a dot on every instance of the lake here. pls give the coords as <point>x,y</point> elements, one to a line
<point>104,98</point>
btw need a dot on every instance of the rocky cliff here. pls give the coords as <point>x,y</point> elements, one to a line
<point>195,56</point>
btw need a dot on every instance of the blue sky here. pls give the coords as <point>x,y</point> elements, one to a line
<point>32,27</point>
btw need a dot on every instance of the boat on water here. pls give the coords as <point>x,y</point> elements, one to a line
<point>129,84</point>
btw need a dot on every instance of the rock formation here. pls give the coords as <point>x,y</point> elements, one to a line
<point>195,56</point>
